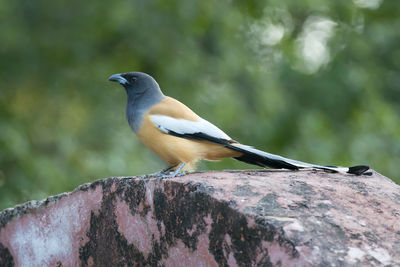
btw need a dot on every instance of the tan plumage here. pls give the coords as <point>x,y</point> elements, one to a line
<point>175,150</point>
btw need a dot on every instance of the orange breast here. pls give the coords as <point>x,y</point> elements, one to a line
<point>175,150</point>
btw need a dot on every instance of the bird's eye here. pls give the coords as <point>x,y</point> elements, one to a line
<point>133,79</point>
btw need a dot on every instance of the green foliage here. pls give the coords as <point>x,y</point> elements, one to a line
<point>312,80</point>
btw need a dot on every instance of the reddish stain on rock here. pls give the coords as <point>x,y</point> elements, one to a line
<point>241,218</point>
<point>180,255</point>
<point>45,237</point>
<point>137,229</point>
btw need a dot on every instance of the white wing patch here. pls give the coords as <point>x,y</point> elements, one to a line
<point>181,126</point>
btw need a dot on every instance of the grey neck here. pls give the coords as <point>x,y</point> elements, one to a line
<point>138,104</point>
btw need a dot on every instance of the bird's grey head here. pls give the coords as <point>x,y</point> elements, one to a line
<point>143,92</point>
<point>136,83</point>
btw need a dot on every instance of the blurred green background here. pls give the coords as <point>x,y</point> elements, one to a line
<point>313,80</point>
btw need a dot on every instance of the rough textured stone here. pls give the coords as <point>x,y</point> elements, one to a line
<point>231,218</point>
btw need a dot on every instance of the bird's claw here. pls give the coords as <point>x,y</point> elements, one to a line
<point>163,176</point>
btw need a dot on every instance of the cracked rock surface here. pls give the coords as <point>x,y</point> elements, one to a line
<point>230,218</point>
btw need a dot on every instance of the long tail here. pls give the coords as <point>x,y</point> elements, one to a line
<point>264,159</point>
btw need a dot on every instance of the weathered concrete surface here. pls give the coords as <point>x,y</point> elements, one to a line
<point>240,218</point>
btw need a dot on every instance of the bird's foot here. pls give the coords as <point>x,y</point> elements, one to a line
<point>163,172</point>
<point>168,173</point>
<point>171,175</point>
<point>176,173</point>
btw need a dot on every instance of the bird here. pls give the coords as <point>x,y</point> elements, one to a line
<point>182,138</point>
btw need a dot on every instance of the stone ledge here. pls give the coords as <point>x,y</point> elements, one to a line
<point>235,218</point>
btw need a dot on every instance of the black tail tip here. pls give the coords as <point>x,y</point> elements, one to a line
<point>358,170</point>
